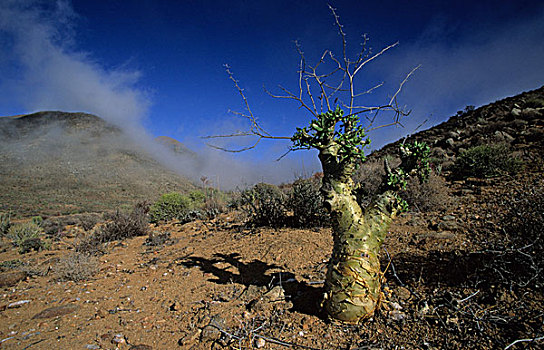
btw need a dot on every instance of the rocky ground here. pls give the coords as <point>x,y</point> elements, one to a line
<point>216,284</point>
<point>466,275</point>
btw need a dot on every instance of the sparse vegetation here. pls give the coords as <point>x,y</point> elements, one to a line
<point>76,267</point>
<point>306,203</point>
<point>26,236</point>
<point>5,223</point>
<point>430,195</point>
<point>265,205</point>
<point>486,161</point>
<point>170,206</point>
<point>118,226</point>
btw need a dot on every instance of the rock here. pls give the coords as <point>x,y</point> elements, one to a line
<point>397,315</point>
<point>260,343</point>
<point>92,347</point>
<point>18,304</point>
<point>274,298</point>
<point>502,136</point>
<point>212,330</point>
<point>9,279</point>
<point>141,347</point>
<point>516,112</point>
<point>190,338</point>
<point>403,293</point>
<point>450,142</point>
<point>118,339</point>
<point>56,311</point>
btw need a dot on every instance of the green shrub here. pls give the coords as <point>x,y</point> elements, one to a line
<point>38,220</point>
<point>486,161</point>
<point>306,203</point>
<point>26,237</point>
<point>170,206</point>
<point>5,223</point>
<point>265,205</point>
<point>197,198</point>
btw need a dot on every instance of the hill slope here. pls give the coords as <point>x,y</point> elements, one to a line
<point>57,162</point>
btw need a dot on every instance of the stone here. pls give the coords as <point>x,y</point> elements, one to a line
<point>19,303</point>
<point>141,347</point>
<point>9,279</point>
<point>56,311</point>
<point>119,339</point>
<point>212,330</point>
<point>260,343</point>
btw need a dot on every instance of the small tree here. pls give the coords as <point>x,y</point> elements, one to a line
<point>353,281</point>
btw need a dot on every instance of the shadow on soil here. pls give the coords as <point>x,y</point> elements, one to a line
<point>304,297</point>
<point>459,269</point>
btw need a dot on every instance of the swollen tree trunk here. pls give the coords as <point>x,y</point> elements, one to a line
<point>353,281</point>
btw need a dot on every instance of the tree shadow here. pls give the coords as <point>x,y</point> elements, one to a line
<point>305,298</point>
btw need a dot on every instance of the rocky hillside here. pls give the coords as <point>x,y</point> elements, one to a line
<point>517,121</point>
<point>57,162</point>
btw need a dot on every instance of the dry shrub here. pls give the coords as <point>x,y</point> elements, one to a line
<point>119,226</point>
<point>76,267</point>
<point>369,178</point>
<point>431,195</point>
<point>265,205</point>
<point>523,244</point>
<point>306,203</point>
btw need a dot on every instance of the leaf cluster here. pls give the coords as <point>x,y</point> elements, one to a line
<point>342,135</point>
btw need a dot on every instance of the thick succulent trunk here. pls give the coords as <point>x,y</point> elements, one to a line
<point>353,282</point>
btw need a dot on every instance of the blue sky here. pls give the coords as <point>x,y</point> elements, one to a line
<point>158,65</point>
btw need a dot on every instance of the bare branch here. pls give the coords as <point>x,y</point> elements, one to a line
<point>402,84</point>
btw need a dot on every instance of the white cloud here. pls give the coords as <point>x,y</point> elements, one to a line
<point>44,72</point>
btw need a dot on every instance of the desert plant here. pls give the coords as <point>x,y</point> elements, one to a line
<point>76,267</point>
<point>486,161</point>
<point>306,203</point>
<point>5,223</point>
<point>336,131</point>
<point>38,220</point>
<point>431,195</point>
<point>265,205</point>
<point>121,225</point>
<point>170,206</point>
<point>118,226</point>
<point>26,237</point>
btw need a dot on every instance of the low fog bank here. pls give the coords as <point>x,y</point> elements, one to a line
<point>44,70</point>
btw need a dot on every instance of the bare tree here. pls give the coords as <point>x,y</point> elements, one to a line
<point>328,91</point>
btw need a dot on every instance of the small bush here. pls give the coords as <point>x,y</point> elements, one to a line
<point>170,206</point>
<point>5,223</point>
<point>26,237</point>
<point>119,226</point>
<point>431,195</point>
<point>486,161</point>
<point>369,179</point>
<point>38,220</point>
<point>265,205</point>
<point>306,203</point>
<point>76,267</point>
<point>88,221</point>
